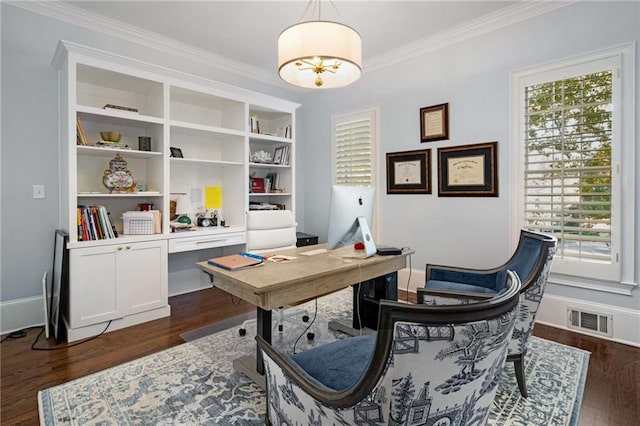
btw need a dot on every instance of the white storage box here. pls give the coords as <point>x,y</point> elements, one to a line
<point>138,223</point>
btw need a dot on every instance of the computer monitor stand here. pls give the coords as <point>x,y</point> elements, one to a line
<point>367,238</point>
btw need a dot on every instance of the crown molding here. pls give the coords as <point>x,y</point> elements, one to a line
<point>491,22</point>
<point>485,24</point>
<point>98,23</point>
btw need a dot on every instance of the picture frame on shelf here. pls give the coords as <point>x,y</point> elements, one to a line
<point>434,123</point>
<point>409,172</point>
<point>278,154</point>
<point>468,170</point>
<point>176,152</point>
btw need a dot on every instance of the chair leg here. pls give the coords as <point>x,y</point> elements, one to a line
<point>518,365</point>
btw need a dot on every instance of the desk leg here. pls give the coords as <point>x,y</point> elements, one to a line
<point>264,331</point>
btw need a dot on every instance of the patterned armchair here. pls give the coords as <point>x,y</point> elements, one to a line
<point>531,261</point>
<point>425,365</point>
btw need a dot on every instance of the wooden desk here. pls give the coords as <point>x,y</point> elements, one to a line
<point>279,284</point>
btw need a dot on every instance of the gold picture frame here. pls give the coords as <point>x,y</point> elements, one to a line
<point>434,123</point>
<point>409,172</point>
<point>468,170</point>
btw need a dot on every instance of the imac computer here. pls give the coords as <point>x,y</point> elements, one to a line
<point>350,214</point>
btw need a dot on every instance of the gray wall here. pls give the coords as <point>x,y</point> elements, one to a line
<point>473,77</point>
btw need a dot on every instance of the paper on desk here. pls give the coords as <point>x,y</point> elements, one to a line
<point>212,197</point>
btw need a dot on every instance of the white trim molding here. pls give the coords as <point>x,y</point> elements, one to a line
<point>19,314</point>
<point>490,22</point>
<point>553,312</point>
<point>504,17</point>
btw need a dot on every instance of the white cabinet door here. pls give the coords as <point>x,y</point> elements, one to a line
<point>142,276</point>
<point>113,281</point>
<point>93,296</point>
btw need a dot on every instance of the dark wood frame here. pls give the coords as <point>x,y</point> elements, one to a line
<point>444,131</point>
<point>176,152</point>
<point>424,186</point>
<point>390,313</point>
<point>489,188</point>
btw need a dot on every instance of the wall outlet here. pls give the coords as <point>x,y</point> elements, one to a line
<point>38,191</point>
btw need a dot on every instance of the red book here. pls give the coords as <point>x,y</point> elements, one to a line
<point>257,185</point>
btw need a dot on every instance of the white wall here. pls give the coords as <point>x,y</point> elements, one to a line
<point>473,77</point>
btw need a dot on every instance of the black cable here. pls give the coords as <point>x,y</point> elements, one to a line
<point>315,314</point>
<point>15,335</point>
<point>409,278</point>
<point>33,345</point>
<point>234,302</point>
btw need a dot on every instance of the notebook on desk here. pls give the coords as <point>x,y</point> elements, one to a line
<point>233,262</point>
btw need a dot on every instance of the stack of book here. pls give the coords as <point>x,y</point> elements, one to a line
<point>94,223</point>
<point>111,144</point>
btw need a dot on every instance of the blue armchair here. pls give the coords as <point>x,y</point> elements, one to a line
<point>425,365</point>
<point>531,261</point>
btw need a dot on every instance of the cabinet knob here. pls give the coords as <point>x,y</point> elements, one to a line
<point>119,248</point>
<point>128,247</point>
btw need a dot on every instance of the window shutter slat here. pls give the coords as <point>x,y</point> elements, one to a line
<point>567,176</point>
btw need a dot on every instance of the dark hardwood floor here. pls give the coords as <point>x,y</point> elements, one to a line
<point>611,397</point>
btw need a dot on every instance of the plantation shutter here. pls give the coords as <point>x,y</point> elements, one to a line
<point>568,172</point>
<point>354,152</point>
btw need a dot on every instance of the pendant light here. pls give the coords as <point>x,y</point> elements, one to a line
<point>319,54</point>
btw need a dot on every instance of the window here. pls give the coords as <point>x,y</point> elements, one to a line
<point>569,164</point>
<point>354,148</point>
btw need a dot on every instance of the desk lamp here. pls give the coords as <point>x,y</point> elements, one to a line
<point>183,209</point>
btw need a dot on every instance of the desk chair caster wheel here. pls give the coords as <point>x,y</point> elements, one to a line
<point>305,318</point>
<point>311,336</point>
<point>242,332</point>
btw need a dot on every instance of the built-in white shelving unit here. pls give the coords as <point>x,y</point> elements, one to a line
<point>124,279</point>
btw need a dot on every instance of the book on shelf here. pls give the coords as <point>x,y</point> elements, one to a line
<point>257,185</point>
<point>81,136</point>
<point>120,107</point>
<point>94,223</point>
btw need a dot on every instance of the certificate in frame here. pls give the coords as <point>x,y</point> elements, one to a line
<point>468,170</point>
<point>434,123</point>
<point>409,172</point>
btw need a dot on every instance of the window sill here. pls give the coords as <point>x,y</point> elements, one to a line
<point>624,288</point>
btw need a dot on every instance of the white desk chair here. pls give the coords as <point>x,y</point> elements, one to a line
<point>270,231</point>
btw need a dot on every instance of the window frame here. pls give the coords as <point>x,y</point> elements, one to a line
<point>373,114</point>
<point>618,277</point>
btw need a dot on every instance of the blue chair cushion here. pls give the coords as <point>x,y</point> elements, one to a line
<point>453,286</point>
<point>340,364</point>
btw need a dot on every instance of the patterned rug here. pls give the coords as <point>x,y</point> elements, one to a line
<point>194,383</point>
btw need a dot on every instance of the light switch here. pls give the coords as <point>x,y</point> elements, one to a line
<point>38,191</point>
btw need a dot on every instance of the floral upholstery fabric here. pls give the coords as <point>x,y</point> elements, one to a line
<point>444,374</point>
<point>529,303</point>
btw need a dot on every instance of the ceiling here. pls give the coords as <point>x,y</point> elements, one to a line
<point>246,32</point>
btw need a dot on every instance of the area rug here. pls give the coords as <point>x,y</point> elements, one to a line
<point>194,383</point>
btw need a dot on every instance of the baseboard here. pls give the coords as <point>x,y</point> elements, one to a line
<point>74,334</point>
<point>553,312</point>
<point>21,313</point>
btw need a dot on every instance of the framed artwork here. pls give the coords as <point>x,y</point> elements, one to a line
<point>409,172</point>
<point>278,155</point>
<point>468,171</point>
<point>176,152</point>
<point>434,123</point>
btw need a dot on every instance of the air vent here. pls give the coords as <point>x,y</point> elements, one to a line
<point>592,322</point>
